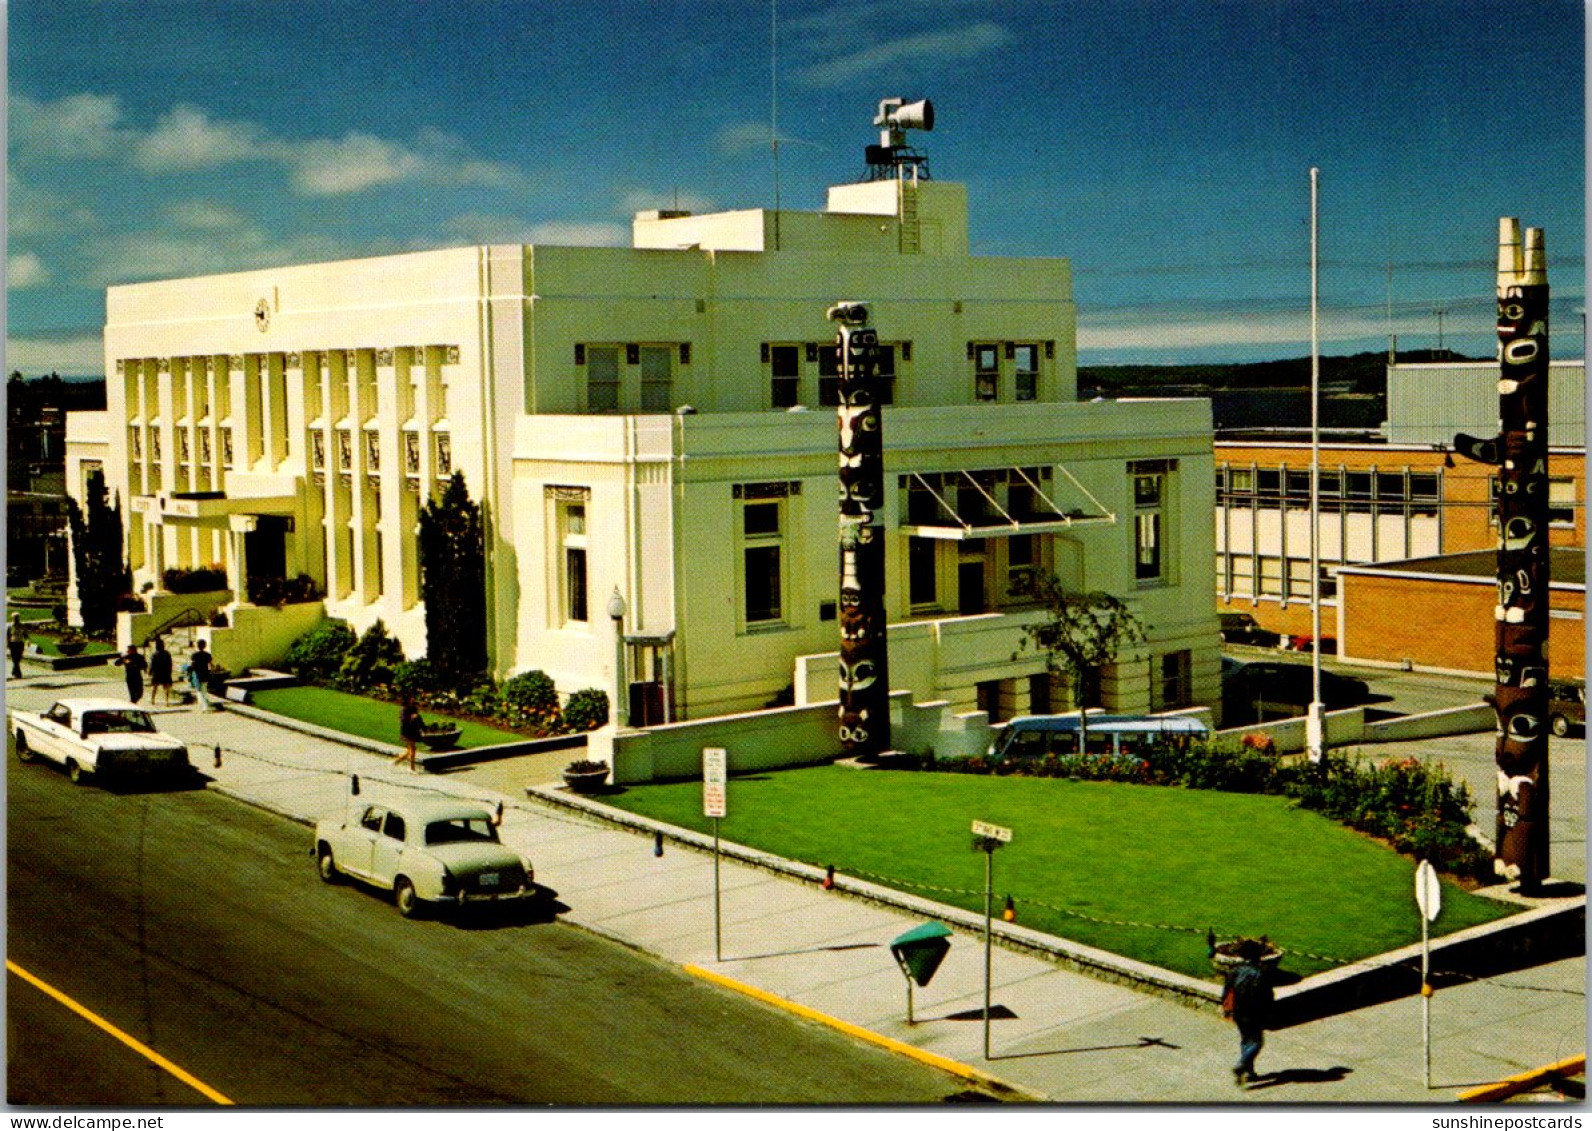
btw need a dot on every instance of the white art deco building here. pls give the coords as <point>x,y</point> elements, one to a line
<point>656,421</point>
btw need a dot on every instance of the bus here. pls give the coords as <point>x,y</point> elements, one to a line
<point>1035,736</point>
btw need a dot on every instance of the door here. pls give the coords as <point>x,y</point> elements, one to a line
<point>970,587</point>
<point>360,843</point>
<point>387,850</point>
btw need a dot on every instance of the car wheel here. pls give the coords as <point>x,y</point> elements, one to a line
<point>1560,725</point>
<point>326,865</point>
<point>24,751</point>
<point>404,897</point>
<point>75,772</point>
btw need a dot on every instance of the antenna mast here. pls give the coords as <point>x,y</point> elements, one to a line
<point>773,104</point>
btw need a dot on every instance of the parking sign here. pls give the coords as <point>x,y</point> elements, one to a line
<point>714,775</point>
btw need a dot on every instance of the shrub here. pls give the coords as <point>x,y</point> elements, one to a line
<point>205,579</point>
<point>587,709</point>
<point>370,662</point>
<point>316,656</point>
<point>414,679</point>
<point>530,697</point>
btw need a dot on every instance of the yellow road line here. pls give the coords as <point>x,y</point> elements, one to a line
<point>934,1060</point>
<point>1520,1082</point>
<point>131,1042</point>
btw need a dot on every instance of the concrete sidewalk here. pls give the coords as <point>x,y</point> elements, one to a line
<point>1057,1035</point>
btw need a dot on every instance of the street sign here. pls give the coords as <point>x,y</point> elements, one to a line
<point>714,775</point>
<point>1428,892</point>
<point>992,832</point>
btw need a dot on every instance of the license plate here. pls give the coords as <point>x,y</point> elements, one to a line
<point>489,879</point>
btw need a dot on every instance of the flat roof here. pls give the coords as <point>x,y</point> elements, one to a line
<point>1566,565</point>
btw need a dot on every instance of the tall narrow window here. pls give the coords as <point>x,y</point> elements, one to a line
<point>657,378</point>
<point>1020,562</point>
<point>1025,373</point>
<point>602,378</point>
<point>986,373</point>
<point>575,562</point>
<point>887,374</point>
<point>1147,500</point>
<point>1173,686</point>
<point>785,376</point>
<point>828,374</point>
<point>761,529</point>
<point>922,572</point>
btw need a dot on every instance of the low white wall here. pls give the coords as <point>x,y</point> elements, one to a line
<point>758,740</point>
<point>259,636</point>
<point>1344,728</point>
<point>136,628</point>
<point>1471,719</point>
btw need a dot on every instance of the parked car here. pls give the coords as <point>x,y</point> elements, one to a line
<point>107,738</point>
<point>1277,684</point>
<point>1566,706</point>
<point>1241,628</point>
<point>439,851</point>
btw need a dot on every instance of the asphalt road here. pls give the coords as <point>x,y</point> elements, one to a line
<point>196,925</point>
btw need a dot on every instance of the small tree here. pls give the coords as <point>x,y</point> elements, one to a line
<point>102,573</point>
<point>453,583</point>
<point>1081,633</point>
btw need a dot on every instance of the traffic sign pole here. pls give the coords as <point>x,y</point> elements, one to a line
<point>1429,901</point>
<point>989,951</point>
<point>718,920</point>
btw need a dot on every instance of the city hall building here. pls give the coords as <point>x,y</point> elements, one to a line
<point>650,432</point>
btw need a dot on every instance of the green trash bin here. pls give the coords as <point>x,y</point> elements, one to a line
<point>919,953</point>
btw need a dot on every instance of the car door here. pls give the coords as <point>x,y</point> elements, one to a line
<point>387,850</point>
<point>57,740</point>
<point>359,847</point>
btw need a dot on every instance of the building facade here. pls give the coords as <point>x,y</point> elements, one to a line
<point>655,424</point>
<point>1400,495</point>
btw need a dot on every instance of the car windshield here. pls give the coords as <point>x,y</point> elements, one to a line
<point>457,829</point>
<point>117,722</point>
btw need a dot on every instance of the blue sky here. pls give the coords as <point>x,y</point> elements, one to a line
<point>1163,146</point>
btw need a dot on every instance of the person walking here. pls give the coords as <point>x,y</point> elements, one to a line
<point>1247,1000</point>
<point>199,676</point>
<point>409,726</point>
<point>134,665</point>
<point>16,641</point>
<point>159,672</point>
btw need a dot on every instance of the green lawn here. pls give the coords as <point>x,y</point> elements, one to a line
<point>47,646</point>
<point>368,718</point>
<point>1142,871</point>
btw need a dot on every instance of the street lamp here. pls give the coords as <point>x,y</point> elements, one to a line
<point>616,611</point>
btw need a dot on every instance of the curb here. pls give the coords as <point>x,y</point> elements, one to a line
<point>1524,1081</point>
<point>933,1060</point>
<point>255,803</point>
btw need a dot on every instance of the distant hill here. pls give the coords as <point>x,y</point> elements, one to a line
<point>1363,373</point>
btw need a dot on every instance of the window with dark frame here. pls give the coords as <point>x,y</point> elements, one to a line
<point>1025,372</point>
<point>785,376</point>
<point>986,372</point>
<point>1147,502</point>
<point>923,583</point>
<point>761,558</point>
<point>657,378</point>
<point>602,378</point>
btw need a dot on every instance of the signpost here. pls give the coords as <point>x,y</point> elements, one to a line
<point>1429,899</point>
<point>987,838</point>
<point>715,796</point>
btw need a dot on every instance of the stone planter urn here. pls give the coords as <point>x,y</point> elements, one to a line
<point>70,647</point>
<point>586,777</point>
<point>440,738</point>
<point>1226,956</point>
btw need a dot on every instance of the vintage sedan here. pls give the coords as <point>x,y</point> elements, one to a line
<point>426,851</point>
<point>106,738</point>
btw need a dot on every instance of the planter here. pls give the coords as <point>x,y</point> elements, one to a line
<point>586,781</point>
<point>1226,959</point>
<point>443,738</point>
<point>70,647</point>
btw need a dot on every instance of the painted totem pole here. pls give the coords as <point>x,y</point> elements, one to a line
<point>864,662</point>
<point>1520,452</point>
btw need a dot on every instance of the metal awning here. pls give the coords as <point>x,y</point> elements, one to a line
<point>1006,525</point>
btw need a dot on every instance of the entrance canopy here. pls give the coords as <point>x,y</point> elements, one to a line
<point>956,506</point>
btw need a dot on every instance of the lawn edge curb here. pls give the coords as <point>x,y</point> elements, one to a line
<point>890,1044</point>
<point>1524,1081</point>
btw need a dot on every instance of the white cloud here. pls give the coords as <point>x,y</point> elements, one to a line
<point>197,238</point>
<point>742,137</point>
<point>72,357</point>
<point>186,138</point>
<point>645,200</point>
<point>78,125</point>
<point>31,212</point>
<point>843,61</point>
<point>488,228</point>
<point>25,269</point>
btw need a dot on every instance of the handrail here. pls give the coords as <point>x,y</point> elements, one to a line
<point>184,618</point>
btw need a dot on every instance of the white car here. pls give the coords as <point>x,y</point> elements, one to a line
<point>425,851</point>
<point>108,738</point>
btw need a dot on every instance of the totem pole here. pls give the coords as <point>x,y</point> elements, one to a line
<point>1520,452</point>
<point>864,662</point>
